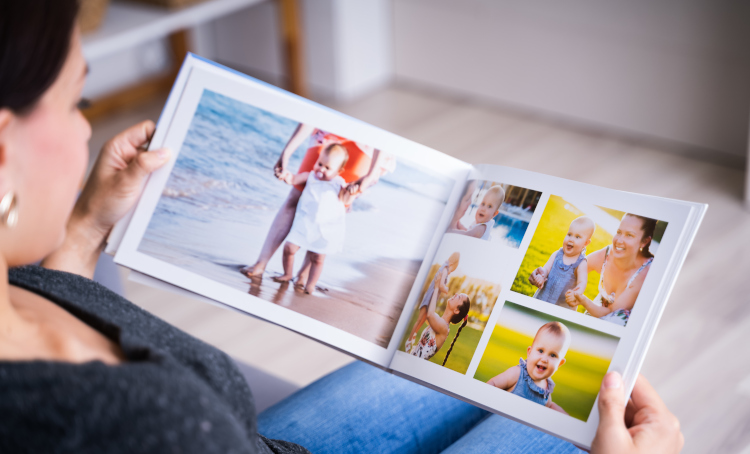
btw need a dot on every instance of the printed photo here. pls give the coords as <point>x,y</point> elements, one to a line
<point>546,360</point>
<point>494,212</point>
<point>453,308</point>
<point>589,258</point>
<point>322,225</point>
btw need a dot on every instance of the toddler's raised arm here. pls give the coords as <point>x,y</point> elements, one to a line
<point>440,280</point>
<point>292,179</point>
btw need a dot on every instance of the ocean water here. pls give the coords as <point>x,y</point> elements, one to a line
<point>509,230</point>
<point>221,197</point>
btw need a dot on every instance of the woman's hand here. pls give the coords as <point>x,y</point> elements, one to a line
<point>361,185</point>
<point>115,183</point>
<point>279,169</point>
<point>574,296</point>
<point>117,178</point>
<point>644,425</point>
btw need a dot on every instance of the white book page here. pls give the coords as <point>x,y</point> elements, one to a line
<point>208,212</point>
<point>162,126</point>
<point>509,319</point>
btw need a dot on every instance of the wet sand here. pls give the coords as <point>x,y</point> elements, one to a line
<point>387,234</point>
<point>369,308</point>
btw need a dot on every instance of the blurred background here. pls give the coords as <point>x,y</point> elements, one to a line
<point>643,96</point>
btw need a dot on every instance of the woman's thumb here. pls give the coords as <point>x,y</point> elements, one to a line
<point>612,430</point>
<point>148,161</point>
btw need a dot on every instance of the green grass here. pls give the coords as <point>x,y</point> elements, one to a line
<point>463,350</point>
<point>548,238</point>
<point>467,342</point>
<point>576,382</point>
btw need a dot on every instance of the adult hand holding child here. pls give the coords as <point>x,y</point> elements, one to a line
<point>573,296</point>
<point>538,277</point>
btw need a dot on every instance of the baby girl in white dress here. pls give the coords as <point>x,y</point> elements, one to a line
<point>319,224</point>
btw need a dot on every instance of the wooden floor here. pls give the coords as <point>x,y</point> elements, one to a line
<point>699,357</point>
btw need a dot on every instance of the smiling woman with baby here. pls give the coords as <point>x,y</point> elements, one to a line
<point>622,267</point>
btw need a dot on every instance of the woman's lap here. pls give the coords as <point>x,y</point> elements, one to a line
<point>360,408</point>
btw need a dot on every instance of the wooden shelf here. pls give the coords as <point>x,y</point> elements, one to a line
<point>130,24</point>
<point>127,24</point>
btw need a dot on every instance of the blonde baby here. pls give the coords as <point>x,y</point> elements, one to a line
<point>483,218</point>
<point>566,269</point>
<point>318,225</point>
<point>531,378</point>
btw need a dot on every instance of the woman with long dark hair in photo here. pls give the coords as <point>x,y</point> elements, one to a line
<point>622,267</point>
<point>83,370</point>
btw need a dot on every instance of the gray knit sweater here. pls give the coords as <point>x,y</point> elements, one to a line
<point>175,394</point>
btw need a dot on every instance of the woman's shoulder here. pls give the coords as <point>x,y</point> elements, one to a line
<point>83,297</point>
<point>142,336</point>
<point>116,317</point>
<point>439,326</point>
<point>640,274</point>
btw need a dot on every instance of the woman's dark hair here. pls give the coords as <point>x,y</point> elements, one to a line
<point>648,226</point>
<point>34,43</point>
<point>463,314</point>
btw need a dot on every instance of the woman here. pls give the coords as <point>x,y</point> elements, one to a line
<point>622,267</point>
<point>82,370</point>
<point>363,169</point>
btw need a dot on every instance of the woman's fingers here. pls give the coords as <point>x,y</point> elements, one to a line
<point>630,411</point>
<point>644,425</point>
<point>612,435</point>
<point>644,395</point>
<point>138,135</point>
<point>146,162</point>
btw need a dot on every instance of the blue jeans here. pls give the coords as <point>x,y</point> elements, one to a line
<point>361,409</point>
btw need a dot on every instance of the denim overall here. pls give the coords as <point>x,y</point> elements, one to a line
<point>526,388</point>
<point>561,278</point>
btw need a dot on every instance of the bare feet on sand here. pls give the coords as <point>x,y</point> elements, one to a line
<point>282,278</point>
<point>253,270</point>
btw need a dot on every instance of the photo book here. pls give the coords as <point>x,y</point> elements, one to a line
<point>509,289</point>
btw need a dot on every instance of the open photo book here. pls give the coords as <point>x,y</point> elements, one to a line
<point>511,290</point>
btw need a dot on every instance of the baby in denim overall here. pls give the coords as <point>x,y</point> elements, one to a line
<point>566,268</point>
<point>531,378</point>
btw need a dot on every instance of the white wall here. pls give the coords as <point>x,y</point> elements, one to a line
<point>676,71</point>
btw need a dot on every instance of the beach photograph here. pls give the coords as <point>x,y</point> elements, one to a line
<point>495,212</point>
<point>454,305</point>
<point>300,217</point>
<point>547,360</point>
<point>589,259</point>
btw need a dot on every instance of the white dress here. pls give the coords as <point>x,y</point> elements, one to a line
<point>487,229</point>
<point>319,222</point>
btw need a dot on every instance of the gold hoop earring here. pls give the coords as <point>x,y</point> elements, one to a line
<point>9,209</point>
